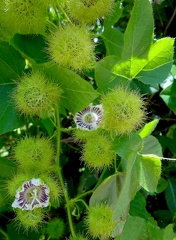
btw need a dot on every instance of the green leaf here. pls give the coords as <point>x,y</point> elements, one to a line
<point>138,207</point>
<point>162,185</point>
<point>129,190</point>
<point>32,46</point>
<point>128,146</point>
<point>169,96</point>
<point>111,19</point>
<point>139,32</point>
<point>7,167</point>
<point>108,190</point>
<point>8,116</point>
<point>159,62</point>
<point>11,63</point>
<point>161,53</point>
<point>104,77</point>
<point>170,195</point>
<point>77,93</point>
<point>151,146</point>
<point>137,40</point>
<point>134,229</point>
<point>112,38</point>
<point>148,128</point>
<point>169,233</point>
<point>155,76</point>
<point>150,172</point>
<point>153,231</point>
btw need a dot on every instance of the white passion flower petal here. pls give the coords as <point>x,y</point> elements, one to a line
<point>32,194</point>
<point>90,118</point>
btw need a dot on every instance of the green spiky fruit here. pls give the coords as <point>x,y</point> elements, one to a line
<point>34,154</point>
<point>123,111</point>
<point>99,221</point>
<point>23,16</point>
<point>36,95</point>
<point>72,47</point>
<point>29,219</point>
<point>87,11</point>
<point>97,151</point>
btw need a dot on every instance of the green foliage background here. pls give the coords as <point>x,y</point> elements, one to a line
<point>138,50</point>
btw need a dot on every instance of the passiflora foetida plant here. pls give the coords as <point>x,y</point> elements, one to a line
<point>78,158</point>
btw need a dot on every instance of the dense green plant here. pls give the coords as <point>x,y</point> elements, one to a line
<point>87,120</point>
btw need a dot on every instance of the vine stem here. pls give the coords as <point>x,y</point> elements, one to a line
<point>60,174</point>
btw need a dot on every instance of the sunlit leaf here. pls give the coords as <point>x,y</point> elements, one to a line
<point>150,171</point>
<point>148,128</point>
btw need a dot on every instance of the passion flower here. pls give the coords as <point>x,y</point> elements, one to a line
<point>32,194</point>
<point>90,118</point>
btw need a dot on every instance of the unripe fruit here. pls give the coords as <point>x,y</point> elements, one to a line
<point>29,219</point>
<point>123,111</point>
<point>35,95</point>
<point>72,47</point>
<point>99,221</point>
<point>24,16</point>
<point>87,11</point>
<point>97,151</point>
<point>34,154</point>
